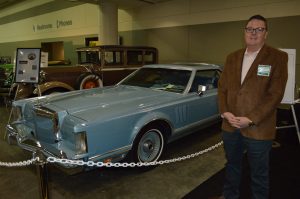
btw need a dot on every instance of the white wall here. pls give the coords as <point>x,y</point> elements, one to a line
<point>84,19</point>
<point>74,21</point>
<point>192,12</point>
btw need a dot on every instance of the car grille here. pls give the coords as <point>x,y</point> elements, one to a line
<point>46,122</point>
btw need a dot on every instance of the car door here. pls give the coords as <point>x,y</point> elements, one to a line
<point>203,108</point>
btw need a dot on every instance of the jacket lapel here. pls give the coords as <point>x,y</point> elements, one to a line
<point>240,61</point>
<point>256,62</point>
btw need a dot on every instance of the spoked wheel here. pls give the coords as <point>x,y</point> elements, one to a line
<point>87,81</point>
<point>149,145</point>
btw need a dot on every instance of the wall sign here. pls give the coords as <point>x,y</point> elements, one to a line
<point>28,65</point>
<point>55,25</point>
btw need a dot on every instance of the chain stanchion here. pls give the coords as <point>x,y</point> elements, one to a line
<point>40,160</point>
<point>42,171</point>
<point>41,163</point>
<point>131,164</point>
<point>18,164</point>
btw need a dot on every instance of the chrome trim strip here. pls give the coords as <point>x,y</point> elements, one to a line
<point>113,153</point>
<point>44,112</point>
<point>181,132</point>
<point>107,68</point>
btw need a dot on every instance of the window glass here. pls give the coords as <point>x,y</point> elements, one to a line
<point>149,57</point>
<point>88,57</point>
<point>170,80</point>
<point>208,78</point>
<point>113,58</point>
<point>134,57</point>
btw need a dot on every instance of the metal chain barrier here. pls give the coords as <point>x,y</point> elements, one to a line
<point>19,164</point>
<point>41,164</point>
<point>108,164</point>
<point>132,164</point>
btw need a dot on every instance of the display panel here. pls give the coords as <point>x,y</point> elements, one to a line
<point>27,65</point>
<point>289,94</point>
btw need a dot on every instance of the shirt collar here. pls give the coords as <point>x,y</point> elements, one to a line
<point>251,53</point>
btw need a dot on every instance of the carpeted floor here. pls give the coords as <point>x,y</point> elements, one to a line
<point>284,172</point>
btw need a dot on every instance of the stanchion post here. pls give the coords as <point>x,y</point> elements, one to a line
<point>11,111</point>
<point>42,172</point>
<point>296,122</point>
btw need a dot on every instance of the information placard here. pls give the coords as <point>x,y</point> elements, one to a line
<point>28,61</point>
<point>289,94</point>
<point>44,59</point>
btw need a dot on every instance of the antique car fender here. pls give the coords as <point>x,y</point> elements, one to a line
<point>52,87</point>
<point>21,90</point>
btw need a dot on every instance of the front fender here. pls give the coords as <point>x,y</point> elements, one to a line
<point>51,85</point>
<point>151,117</point>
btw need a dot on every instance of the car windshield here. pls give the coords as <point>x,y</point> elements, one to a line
<point>171,80</point>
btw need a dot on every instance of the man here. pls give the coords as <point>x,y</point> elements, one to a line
<point>250,89</point>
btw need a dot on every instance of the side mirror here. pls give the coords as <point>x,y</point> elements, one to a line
<point>201,90</point>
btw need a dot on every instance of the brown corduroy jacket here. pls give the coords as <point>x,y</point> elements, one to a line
<point>260,93</point>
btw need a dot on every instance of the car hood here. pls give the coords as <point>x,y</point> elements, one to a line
<point>108,102</point>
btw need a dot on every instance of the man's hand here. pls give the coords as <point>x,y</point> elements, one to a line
<point>237,122</point>
<point>243,122</point>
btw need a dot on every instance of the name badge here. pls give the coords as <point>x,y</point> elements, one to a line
<point>264,70</point>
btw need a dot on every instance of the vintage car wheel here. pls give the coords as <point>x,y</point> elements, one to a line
<point>149,145</point>
<point>89,80</point>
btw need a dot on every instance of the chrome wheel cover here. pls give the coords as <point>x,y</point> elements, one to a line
<point>150,146</point>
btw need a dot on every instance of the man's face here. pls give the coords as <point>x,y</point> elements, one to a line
<point>255,34</point>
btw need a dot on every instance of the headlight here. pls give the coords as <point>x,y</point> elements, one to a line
<point>16,113</point>
<point>81,143</point>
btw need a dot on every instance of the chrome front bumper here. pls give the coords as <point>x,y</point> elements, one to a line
<point>35,147</point>
<point>29,144</point>
<point>32,145</point>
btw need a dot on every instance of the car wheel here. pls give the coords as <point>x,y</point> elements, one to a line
<point>89,81</point>
<point>149,145</point>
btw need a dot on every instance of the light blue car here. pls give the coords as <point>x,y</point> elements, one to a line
<point>134,119</point>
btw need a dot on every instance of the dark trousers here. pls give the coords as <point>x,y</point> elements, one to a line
<point>235,144</point>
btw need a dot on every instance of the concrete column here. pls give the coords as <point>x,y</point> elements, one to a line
<point>108,33</point>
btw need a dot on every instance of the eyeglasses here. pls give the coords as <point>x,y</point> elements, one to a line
<point>256,30</point>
